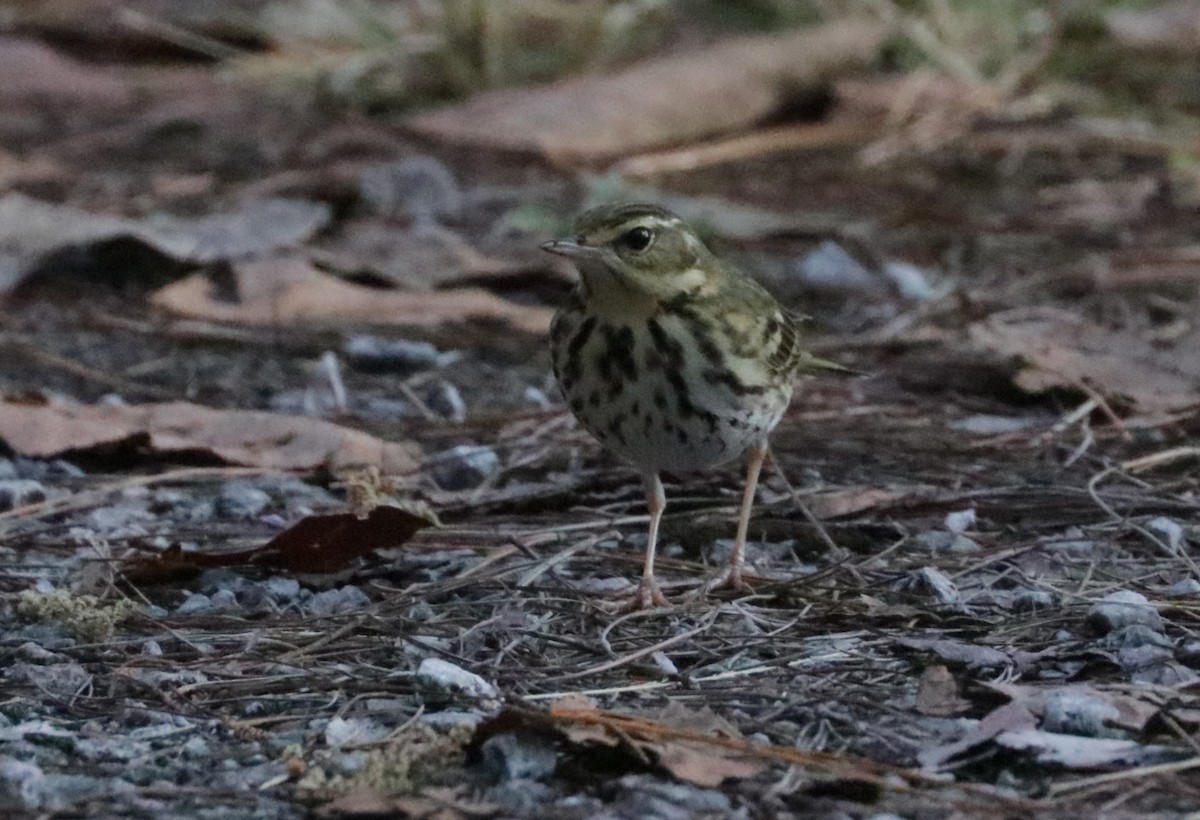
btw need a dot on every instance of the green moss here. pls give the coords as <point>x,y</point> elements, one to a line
<point>86,617</point>
<point>420,758</point>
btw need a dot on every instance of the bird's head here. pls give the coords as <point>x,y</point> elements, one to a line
<point>637,253</point>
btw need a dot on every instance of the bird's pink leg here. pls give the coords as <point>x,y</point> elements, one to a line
<point>648,593</point>
<point>732,575</point>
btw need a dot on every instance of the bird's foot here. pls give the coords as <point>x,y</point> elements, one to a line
<point>731,577</point>
<point>648,596</point>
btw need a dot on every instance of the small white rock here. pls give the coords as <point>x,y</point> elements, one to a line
<point>1168,528</point>
<point>443,673</point>
<point>960,521</point>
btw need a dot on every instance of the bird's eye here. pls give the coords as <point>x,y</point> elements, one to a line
<point>637,239</point>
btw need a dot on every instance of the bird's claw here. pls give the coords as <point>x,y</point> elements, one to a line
<point>731,577</point>
<point>649,595</point>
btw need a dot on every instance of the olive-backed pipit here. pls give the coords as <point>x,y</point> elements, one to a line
<point>673,359</point>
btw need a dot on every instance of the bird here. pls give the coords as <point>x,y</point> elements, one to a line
<point>673,359</point>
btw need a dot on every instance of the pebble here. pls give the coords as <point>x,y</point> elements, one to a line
<point>933,582</point>
<point>333,601</point>
<point>465,467</point>
<point>450,718</point>
<point>1187,588</point>
<point>375,354</point>
<point>1135,658</point>
<point>445,675</point>
<point>282,590</point>
<point>196,602</point>
<point>1078,713</point>
<point>353,731</point>
<point>830,267</point>
<point>242,500</point>
<point>1169,529</point>
<point>537,397</point>
<point>122,520</point>
<point>911,281</point>
<point>1135,635</point>
<point>960,521</point>
<point>1121,609</point>
<point>421,187</point>
<point>17,492</point>
<point>196,748</point>
<point>987,425</point>
<point>511,756</point>
<point>1031,600</point>
<point>36,653</point>
<point>21,784</point>
<point>224,599</point>
<point>444,399</point>
<point>63,679</point>
<point>946,541</point>
<point>646,797</point>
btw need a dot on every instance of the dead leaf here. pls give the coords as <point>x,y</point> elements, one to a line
<point>316,544</point>
<point>1131,713</point>
<point>288,290</point>
<point>1065,350</point>
<point>1136,268</point>
<point>937,693</point>
<point>691,759</point>
<point>431,804</point>
<point>1076,752</point>
<point>659,102</point>
<point>852,500</point>
<point>1095,205</point>
<point>51,427</point>
<point>1009,717</point>
<point>1172,26</point>
<point>33,72</point>
<point>423,257</point>
<point>31,229</point>
<point>958,652</point>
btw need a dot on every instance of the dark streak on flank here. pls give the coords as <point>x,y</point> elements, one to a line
<point>671,350</point>
<point>704,340</point>
<point>720,375</point>
<point>614,427</point>
<point>571,371</point>
<point>619,341</point>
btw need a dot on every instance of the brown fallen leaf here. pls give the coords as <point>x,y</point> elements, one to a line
<point>1130,712</point>
<point>852,500</point>
<point>666,101</point>
<point>1138,268</point>
<point>1169,26</point>
<point>316,544</point>
<point>958,652</point>
<point>423,257</point>
<point>287,290</point>
<point>31,229</point>
<point>43,428</point>
<point>937,693</point>
<point>1061,349</point>
<point>33,71</point>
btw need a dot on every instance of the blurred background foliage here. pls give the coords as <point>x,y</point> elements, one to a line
<point>380,56</point>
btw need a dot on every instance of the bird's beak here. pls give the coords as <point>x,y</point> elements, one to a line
<point>568,248</point>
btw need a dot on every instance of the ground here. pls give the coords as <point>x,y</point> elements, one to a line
<point>975,593</point>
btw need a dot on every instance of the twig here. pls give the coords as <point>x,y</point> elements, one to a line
<point>1129,774</point>
<point>768,141</point>
<point>643,652</point>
